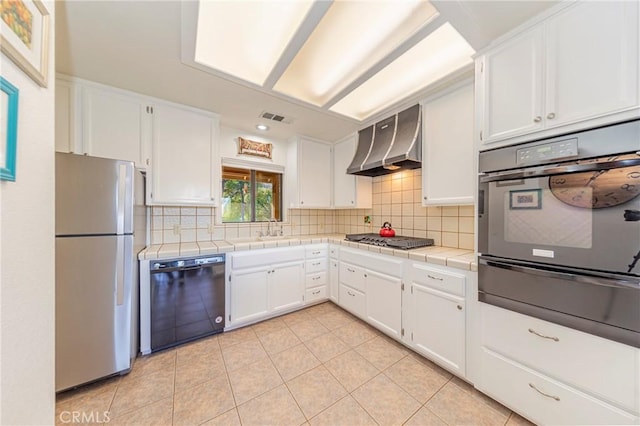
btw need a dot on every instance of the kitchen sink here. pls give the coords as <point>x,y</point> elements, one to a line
<point>257,239</point>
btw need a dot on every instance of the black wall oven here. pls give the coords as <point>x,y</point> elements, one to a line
<point>559,230</point>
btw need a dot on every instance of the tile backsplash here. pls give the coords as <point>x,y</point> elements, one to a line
<point>396,198</point>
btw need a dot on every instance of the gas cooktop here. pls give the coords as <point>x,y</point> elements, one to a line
<point>399,242</point>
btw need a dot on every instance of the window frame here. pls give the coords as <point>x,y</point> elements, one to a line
<point>252,167</point>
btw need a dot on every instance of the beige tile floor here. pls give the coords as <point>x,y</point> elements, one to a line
<point>317,366</point>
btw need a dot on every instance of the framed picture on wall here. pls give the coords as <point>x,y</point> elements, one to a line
<point>8,129</point>
<point>24,33</point>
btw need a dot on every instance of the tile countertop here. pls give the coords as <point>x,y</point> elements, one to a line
<point>446,256</point>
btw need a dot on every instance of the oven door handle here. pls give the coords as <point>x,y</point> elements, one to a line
<point>612,281</point>
<point>558,170</point>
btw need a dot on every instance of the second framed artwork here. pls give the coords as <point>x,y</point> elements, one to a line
<point>24,36</point>
<point>8,130</point>
<point>525,199</point>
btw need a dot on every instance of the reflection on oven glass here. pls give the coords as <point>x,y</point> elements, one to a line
<point>554,223</point>
<point>598,189</point>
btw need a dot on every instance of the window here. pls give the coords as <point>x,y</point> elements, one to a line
<point>251,195</point>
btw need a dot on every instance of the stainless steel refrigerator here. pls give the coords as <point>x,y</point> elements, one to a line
<point>100,228</point>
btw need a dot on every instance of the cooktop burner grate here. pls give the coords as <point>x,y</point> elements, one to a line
<point>399,242</point>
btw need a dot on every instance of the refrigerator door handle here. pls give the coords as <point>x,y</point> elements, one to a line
<point>120,271</point>
<point>121,200</point>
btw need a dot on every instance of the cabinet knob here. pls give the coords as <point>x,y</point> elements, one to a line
<point>551,115</point>
<point>459,307</point>
<point>425,198</point>
<point>537,119</point>
<point>301,202</point>
<point>352,202</point>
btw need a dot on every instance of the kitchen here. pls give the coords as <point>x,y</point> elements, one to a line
<point>27,208</point>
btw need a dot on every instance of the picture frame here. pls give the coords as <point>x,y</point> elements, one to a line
<point>525,199</point>
<point>257,149</point>
<point>8,129</point>
<point>24,37</point>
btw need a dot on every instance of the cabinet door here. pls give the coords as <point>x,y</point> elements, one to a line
<point>592,61</point>
<point>115,126</point>
<point>448,139</point>
<point>314,174</point>
<point>344,185</point>
<point>384,303</point>
<point>512,80</point>
<point>438,327</point>
<point>286,287</point>
<point>183,143</point>
<point>248,295</point>
<point>65,117</point>
<point>334,283</point>
<point>349,191</point>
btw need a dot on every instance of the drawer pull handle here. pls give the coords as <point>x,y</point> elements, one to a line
<point>351,270</point>
<point>316,292</point>
<point>315,278</point>
<point>435,278</point>
<point>459,307</point>
<point>350,294</point>
<point>316,264</point>
<point>315,252</point>
<point>532,386</point>
<point>532,331</point>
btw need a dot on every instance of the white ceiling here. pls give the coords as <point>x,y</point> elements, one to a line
<point>136,45</point>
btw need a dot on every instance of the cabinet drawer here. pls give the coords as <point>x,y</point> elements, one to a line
<point>438,279</point>
<point>315,279</point>
<point>313,294</point>
<point>542,399</point>
<point>352,300</point>
<point>352,275</point>
<point>315,265</point>
<point>316,252</point>
<point>388,265</point>
<point>608,369</point>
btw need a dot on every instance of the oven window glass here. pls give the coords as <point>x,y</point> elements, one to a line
<point>534,215</point>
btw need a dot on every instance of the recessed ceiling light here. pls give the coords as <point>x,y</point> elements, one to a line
<point>262,127</point>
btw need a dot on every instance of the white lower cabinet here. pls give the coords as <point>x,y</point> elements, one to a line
<point>248,294</point>
<point>437,316</point>
<point>334,280</point>
<point>285,287</point>
<point>264,283</point>
<point>556,375</point>
<point>315,280</point>
<point>371,288</point>
<point>384,303</point>
<point>353,300</point>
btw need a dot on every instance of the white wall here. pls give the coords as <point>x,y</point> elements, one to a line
<point>27,292</point>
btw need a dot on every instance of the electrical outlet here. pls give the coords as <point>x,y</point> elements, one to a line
<point>176,229</point>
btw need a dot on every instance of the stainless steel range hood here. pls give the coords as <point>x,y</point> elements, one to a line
<point>389,145</point>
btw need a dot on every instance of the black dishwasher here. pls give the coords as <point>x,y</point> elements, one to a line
<point>187,300</point>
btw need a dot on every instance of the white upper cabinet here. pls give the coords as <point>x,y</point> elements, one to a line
<point>576,69</point>
<point>66,117</point>
<point>308,174</point>
<point>116,125</point>
<point>447,139</point>
<point>184,160</point>
<point>349,191</point>
<point>592,61</point>
<point>512,79</point>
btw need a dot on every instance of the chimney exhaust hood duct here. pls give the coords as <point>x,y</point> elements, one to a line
<point>392,144</point>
